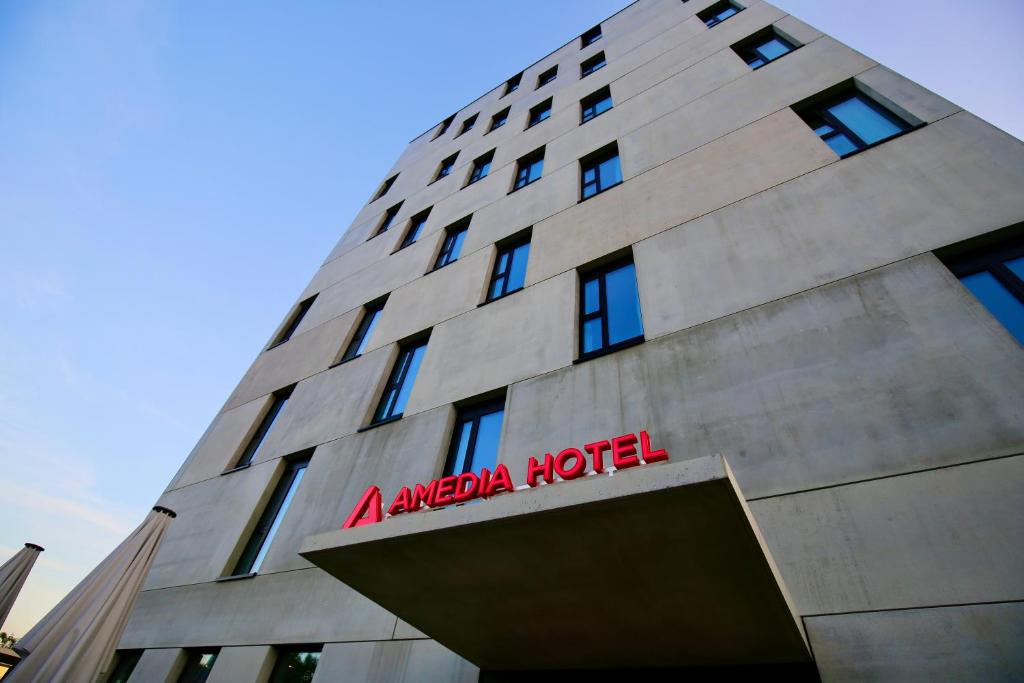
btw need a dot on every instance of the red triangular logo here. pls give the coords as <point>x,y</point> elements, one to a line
<point>369,509</point>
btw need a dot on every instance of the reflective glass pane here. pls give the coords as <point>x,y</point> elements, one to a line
<point>371,323</point>
<point>756,62</point>
<point>869,125</point>
<point>591,335</point>
<point>277,520</point>
<point>295,667</point>
<point>773,49</point>
<point>485,451</point>
<point>591,300</point>
<point>824,129</point>
<point>1017,266</point>
<point>623,305</point>
<point>610,172</point>
<point>410,378</point>
<point>1000,302</point>
<point>459,463</point>
<point>726,13</point>
<point>841,144</point>
<point>460,237</point>
<point>535,170</point>
<point>602,105</point>
<point>517,273</point>
<point>497,287</point>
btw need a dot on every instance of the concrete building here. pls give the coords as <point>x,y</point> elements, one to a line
<point>702,224</point>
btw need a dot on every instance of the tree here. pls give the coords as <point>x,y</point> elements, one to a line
<point>7,639</point>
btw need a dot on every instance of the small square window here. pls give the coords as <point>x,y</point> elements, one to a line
<point>591,65</point>
<point>415,229</point>
<point>509,273</point>
<point>468,124</point>
<point>389,217</point>
<point>610,316</point>
<point>499,119</point>
<point>852,122</point>
<point>994,274</point>
<point>763,47</point>
<point>599,171</point>
<point>446,167</point>
<point>385,187</point>
<point>481,167</point>
<point>590,37</point>
<point>718,12</point>
<point>595,104</point>
<point>539,113</point>
<point>548,76</point>
<point>529,169</point>
<point>451,247</point>
<point>512,84</point>
<point>445,125</point>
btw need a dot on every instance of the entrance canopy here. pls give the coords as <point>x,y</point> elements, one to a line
<point>656,566</point>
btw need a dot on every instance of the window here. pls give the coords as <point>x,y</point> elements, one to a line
<point>295,665</point>
<point>499,119</point>
<point>599,171</point>
<point>385,187</point>
<point>389,216</point>
<point>468,124</point>
<point>528,169</point>
<point>762,48</point>
<point>609,310</point>
<point>446,167</point>
<point>371,314</point>
<point>416,224</point>
<point>548,76</point>
<point>445,125</point>
<point>539,113</point>
<point>124,664</point>
<point>509,268</point>
<point>454,236</point>
<point>512,84</point>
<point>198,665</point>
<point>270,521</point>
<point>278,401</point>
<point>400,382</point>
<point>595,104</point>
<point>591,65</point>
<point>481,167</point>
<point>475,439</point>
<point>590,37</point>
<point>718,12</point>
<point>995,276</point>
<point>293,322</point>
<point>852,122</point>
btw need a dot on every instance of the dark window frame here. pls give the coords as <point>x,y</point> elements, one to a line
<point>747,49</point>
<point>279,399</point>
<point>193,659</point>
<point>594,160</point>
<point>595,63</point>
<point>445,125</point>
<point>468,124</point>
<point>276,672</point>
<point>523,163</point>
<point>508,247</point>
<point>446,167</point>
<point>416,222</point>
<point>711,13</point>
<point>497,123</point>
<point>541,110</point>
<point>294,320</point>
<point>546,77</point>
<point>591,36</point>
<point>124,664</point>
<point>512,84</point>
<point>367,322</point>
<point>480,168</point>
<point>819,111</point>
<point>473,415</point>
<point>591,101</point>
<point>396,381</point>
<point>446,256</point>
<point>602,272</point>
<point>388,218</point>
<point>992,259</point>
<point>385,187</point>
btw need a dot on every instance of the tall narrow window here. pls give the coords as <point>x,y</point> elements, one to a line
<point>764,47</point>
<point>400,382</point>
<point>293,322</point>
<point>512,84</point>
<point>468,124</point>
<point>389,217</point>
<point>995,275</point>
<point>609,309</point>
<point>499,119</point>
<point>278,401</point>
<point>718,12</point>
<point>445,125</point>
<point>529,169</point>
<point>125,662</point>
<point>455,235</point>
<point>539,113</point>
<point>270,521</point>
<point>371,314</point>
<point>415,229</point>
<point>198,665</point>
<point>385,187</point>
<point>548,76</point>
<point>476,438</point>
<point>590,37</point>
<point>481,167</point>
<point>852,122</point>
<point>295,665</point>
<point>591,65</point>
<point>595,104</point>
<point>599,171</point>
<point>509,268</point>
<point>446,167</point>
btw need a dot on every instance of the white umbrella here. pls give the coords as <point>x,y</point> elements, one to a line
<point>75,642</point>
<point>12,577</point>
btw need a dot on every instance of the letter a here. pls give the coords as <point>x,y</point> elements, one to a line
<point>369,509</point>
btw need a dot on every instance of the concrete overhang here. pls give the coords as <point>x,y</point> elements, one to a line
<point>656,566</point>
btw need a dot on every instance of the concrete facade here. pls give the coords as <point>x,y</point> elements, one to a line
<point>796,320</point>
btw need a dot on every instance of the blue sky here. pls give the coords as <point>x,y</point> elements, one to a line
<point>172,174</point>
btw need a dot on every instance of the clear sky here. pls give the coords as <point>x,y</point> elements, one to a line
<point>172,174</point>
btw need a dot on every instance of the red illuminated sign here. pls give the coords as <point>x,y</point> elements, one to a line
<point>615,454</point>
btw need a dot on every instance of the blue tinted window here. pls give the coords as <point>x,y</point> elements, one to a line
<point>865,121</point>
<point>1016,266</point>
<point>841,144</point>
<point>1006,308</point>
<point>292,487</point>
<point>363,332</point>
<point>399,386</point>
<point>592,339</point>
<point>371,322</point>
<point>595,105</point>
<point>509,270</point>
<point>529,171</point>
<point>623,305</point>
<point>599,174</point>
<point>773,48</point>
<point>517,271</point>
<point>452,246</point>
<point>476,439</point>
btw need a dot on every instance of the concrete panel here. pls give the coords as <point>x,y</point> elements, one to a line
<point>526,334</point>
<point>892,371</point>
<point>948,536</point>
<point>391,456</point>
<point>159,666</point>
<point>413,661</point>
<point>792,28</point>
<point>308,606</point>
<point>960,643</point>
<point>222,443</point>
<point>908,99</point>
<point>242,665</point>
<point>958,178</point>
<point>748,161</point>
<point>361,254</point>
